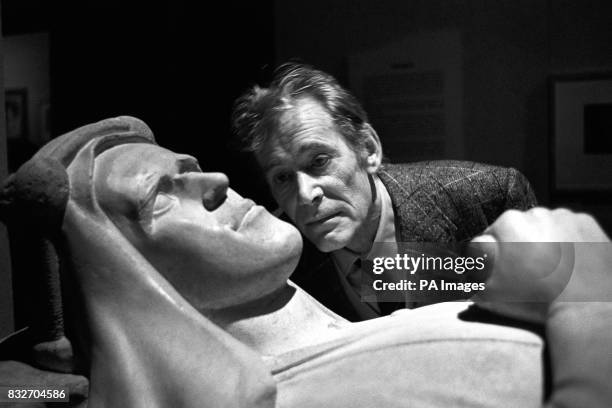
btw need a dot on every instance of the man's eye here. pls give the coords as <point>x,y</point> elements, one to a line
<point>319,161</point>
<point>281,178</point>
<point>163,203</point>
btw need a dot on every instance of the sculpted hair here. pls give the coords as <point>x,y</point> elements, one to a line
<point>256,113</point>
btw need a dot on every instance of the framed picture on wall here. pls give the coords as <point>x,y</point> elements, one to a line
<point>581,133</point>
<point>16,110</point>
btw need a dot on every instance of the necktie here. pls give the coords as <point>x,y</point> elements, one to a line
<point>361,281</point>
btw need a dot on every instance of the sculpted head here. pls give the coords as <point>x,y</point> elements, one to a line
<point>145,241</point>
<point>215,247</point>
<point>312,139</point>
<point>111,178</point>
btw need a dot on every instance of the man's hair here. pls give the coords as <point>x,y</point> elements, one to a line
<point>255,115</point>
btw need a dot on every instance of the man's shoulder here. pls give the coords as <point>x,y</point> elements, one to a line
<point>452,200</point>
<point>441,168</point>
<point>403,179</point>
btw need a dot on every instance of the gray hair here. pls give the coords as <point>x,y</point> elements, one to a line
<point>256,113</point>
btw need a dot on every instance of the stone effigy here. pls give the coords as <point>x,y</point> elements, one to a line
<point>138,341</point>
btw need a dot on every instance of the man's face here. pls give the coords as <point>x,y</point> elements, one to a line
<point>319,181</point>
<point>215,247</point>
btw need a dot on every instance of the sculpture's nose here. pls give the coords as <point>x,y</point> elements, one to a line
<point>211,188</point>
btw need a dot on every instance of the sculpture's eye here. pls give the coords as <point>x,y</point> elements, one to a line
<point>163,203</point>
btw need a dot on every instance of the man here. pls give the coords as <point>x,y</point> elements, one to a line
<point>323,163</point>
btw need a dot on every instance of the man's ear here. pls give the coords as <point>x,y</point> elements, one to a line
<point>372,150</point>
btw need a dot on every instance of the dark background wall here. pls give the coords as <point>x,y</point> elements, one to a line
<point>179,66</point>
<point>510,50</point>
<point>174,64</point>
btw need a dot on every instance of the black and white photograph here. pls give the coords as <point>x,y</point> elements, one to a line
<point>306,204</point>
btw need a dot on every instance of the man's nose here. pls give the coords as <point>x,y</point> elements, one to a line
<point>309,190</point>
<point>211,188</point>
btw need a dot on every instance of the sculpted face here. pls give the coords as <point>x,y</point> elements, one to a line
<point>217,248</point>
<point>319,181</point>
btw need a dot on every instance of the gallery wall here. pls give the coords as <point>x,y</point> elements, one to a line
<point>510,49</point>
<point>6,293</point>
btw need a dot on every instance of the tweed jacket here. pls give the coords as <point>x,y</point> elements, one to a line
<point>435,201</point>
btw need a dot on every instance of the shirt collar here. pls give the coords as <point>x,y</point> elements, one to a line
<point>345,258</point>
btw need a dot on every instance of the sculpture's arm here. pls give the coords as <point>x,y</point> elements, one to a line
<point>566,272</point>
<point>580,342</point>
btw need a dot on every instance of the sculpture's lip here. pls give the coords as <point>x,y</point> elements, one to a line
<point>249,212</point>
